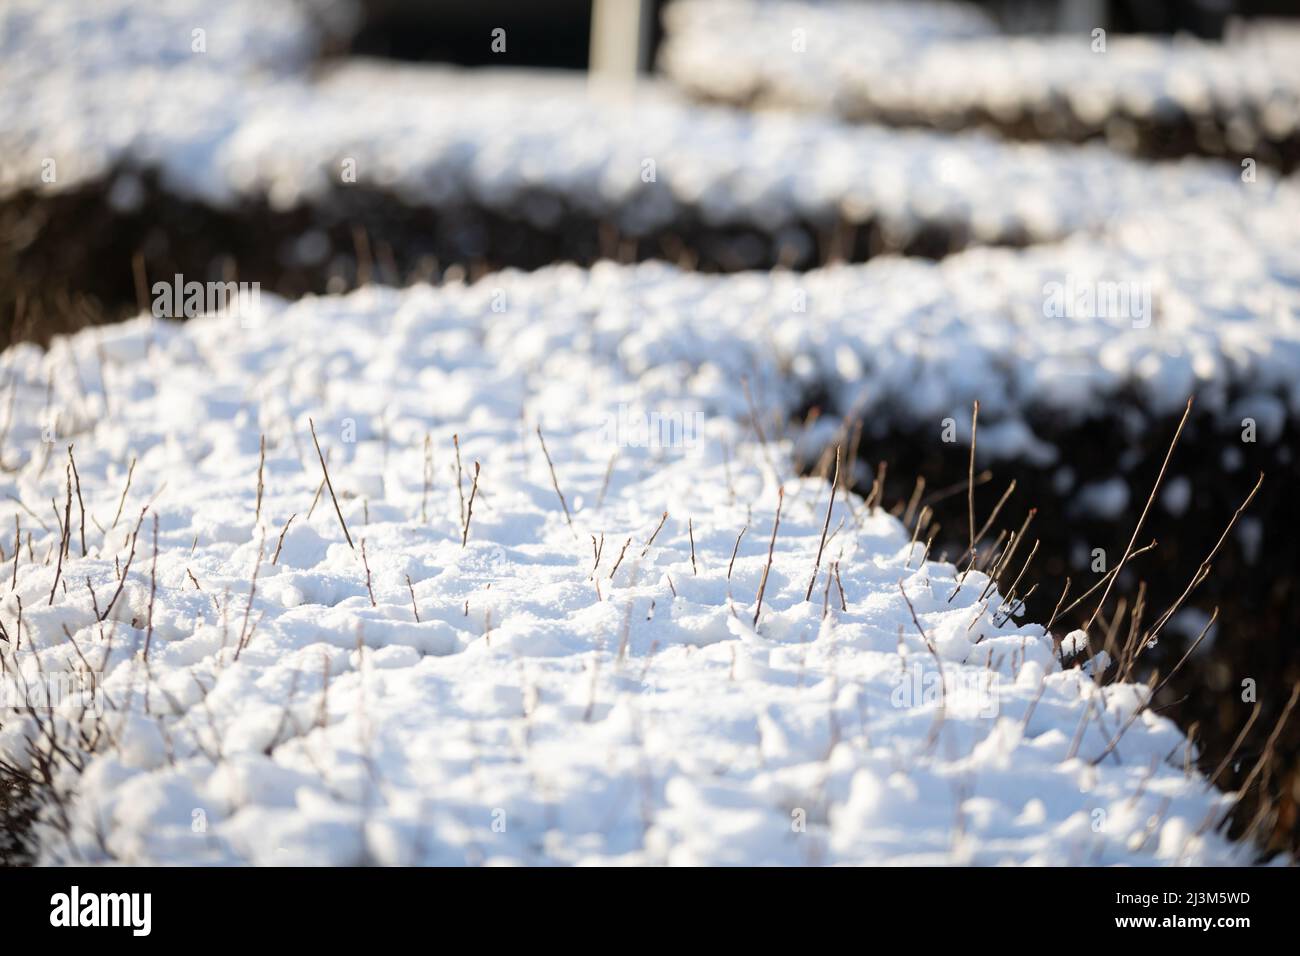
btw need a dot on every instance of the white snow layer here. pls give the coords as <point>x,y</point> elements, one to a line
<point>863,60</point>
<point>543,709</point>
<point>531,145</point>
<point>546,707</point>
<point>87,42</point>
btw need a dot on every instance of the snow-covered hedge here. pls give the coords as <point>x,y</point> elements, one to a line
<point>533,146</point>
<point>879,62</point>
<point>52,43</point>
<point>590,678</point>
<point>471,646</point>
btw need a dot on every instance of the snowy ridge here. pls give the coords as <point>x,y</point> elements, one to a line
<point>803,53</point>
<point>1213,310</point>
<point>87,42</point>
<point>741,51</point>
<point>547,706</point>
<point>532,145</point>
<point>84,84</point>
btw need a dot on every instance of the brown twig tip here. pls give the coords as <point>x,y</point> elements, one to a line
<point>771,550</point>
<point>929,646</point>
<point>245,633</point>
<point>65,533</point>
<point>415,608</point>
<point>877,488</point>
<point>1265,758</point>
<point>619,560</point>
<point>830,506</point>
<point>735,549</point>
<point>153,590</point>
<point>658,528</point>
<point>554,480</point>
<point>1203,570</point>
<point>469,508</point>
<point>1143,517</point>
<point>283,531</point>
<point>366,564</point>
<point>261,467</point>
<point>970,475</point>
<point>941,712</point>
<point>330,485</point>
<point>690,530</point>
<point>18,548</point>
<point>121,581</point>
<point>1155,691</point>
<point>460,478</point>
<point>81,504</point>
<point>117,517</point>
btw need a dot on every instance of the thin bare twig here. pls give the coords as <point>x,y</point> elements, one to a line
<point>1142,519</point>
<point>1108,576</point>
<point>658,528</point>
<point>121,582</point>
<point>280,543</point>
<point>943,688</point>
<point>469,510</point>
<point>1236,745</point>
<point>330,485</point>
<point>554,480</point>
<point>415,609</point>
<point>261,466</point>
<point>1266,756</point>
<point>830,506</point>
<point>736,548</point>
<point>690,531</point>
<point>771,549</point>
<point>460,479</point>
<point>81,504</point>
<point>153,590</point>
<point>18,548</point>
<point>129,472</point>
<point>619,560</point>
<point>1203,571</point>
<point>245,634</point>
<point>970,476</point>
<point>67,533</point>
<point>366,564</point>
<point>1137,712</point>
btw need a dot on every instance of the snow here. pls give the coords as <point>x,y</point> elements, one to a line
<point>738,50</point>
<point>1074,644</point>
<point>871,60</point>
<point>94,41</point>
<point>531,145</point>
<point>911,342</point>
<point>544,708</point>
<point>1188,236</point>
<point>432,694</point>
<point>84,84</point>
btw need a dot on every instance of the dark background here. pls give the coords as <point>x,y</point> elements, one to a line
<point>553,33</point>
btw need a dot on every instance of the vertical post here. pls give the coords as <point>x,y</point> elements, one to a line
<point>620,39</point>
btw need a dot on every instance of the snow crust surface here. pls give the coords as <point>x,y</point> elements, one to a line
<point>546,707</point>
<point>269,693</point>
<point>85,83</point>
<point>533,145</point>
<point>871,59</point>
